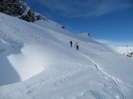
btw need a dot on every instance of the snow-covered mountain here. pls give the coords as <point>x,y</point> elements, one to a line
<point>37,62</point>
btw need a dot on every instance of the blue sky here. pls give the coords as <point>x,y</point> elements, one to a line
<point>108,21</point>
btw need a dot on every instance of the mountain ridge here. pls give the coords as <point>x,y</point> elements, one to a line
<point>19,9</point>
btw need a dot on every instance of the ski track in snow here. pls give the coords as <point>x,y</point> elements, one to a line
<point>119,83</point>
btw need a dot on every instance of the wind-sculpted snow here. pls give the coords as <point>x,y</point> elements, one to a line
<point>37,62</point>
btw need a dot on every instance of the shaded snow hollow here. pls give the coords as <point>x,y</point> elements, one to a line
<point>37,62</point>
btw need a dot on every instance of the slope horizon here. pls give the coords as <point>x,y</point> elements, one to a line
<point>109,22</point>
<point>103,20</point>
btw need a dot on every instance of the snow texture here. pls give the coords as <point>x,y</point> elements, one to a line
<point>37,62</point>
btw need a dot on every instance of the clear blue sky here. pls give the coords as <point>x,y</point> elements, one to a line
<point>105,20</point>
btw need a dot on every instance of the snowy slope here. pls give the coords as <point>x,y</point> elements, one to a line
<point>36,62</point>
<point>125,50</point>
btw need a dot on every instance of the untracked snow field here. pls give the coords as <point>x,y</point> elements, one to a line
<point>37,62</point>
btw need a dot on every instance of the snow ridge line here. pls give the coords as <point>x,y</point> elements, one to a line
<point>115,79</point>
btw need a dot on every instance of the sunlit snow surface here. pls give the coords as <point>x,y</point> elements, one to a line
<point>37,62</point>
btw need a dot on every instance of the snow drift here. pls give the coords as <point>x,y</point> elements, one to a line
<point>37,62</point>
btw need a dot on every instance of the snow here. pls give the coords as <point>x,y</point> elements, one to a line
<point>37,62</point>
<point>125,49</point>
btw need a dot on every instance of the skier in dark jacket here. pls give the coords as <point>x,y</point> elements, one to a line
<point>71,43</point>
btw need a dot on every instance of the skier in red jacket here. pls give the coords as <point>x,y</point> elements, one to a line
<point>77,46</point>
